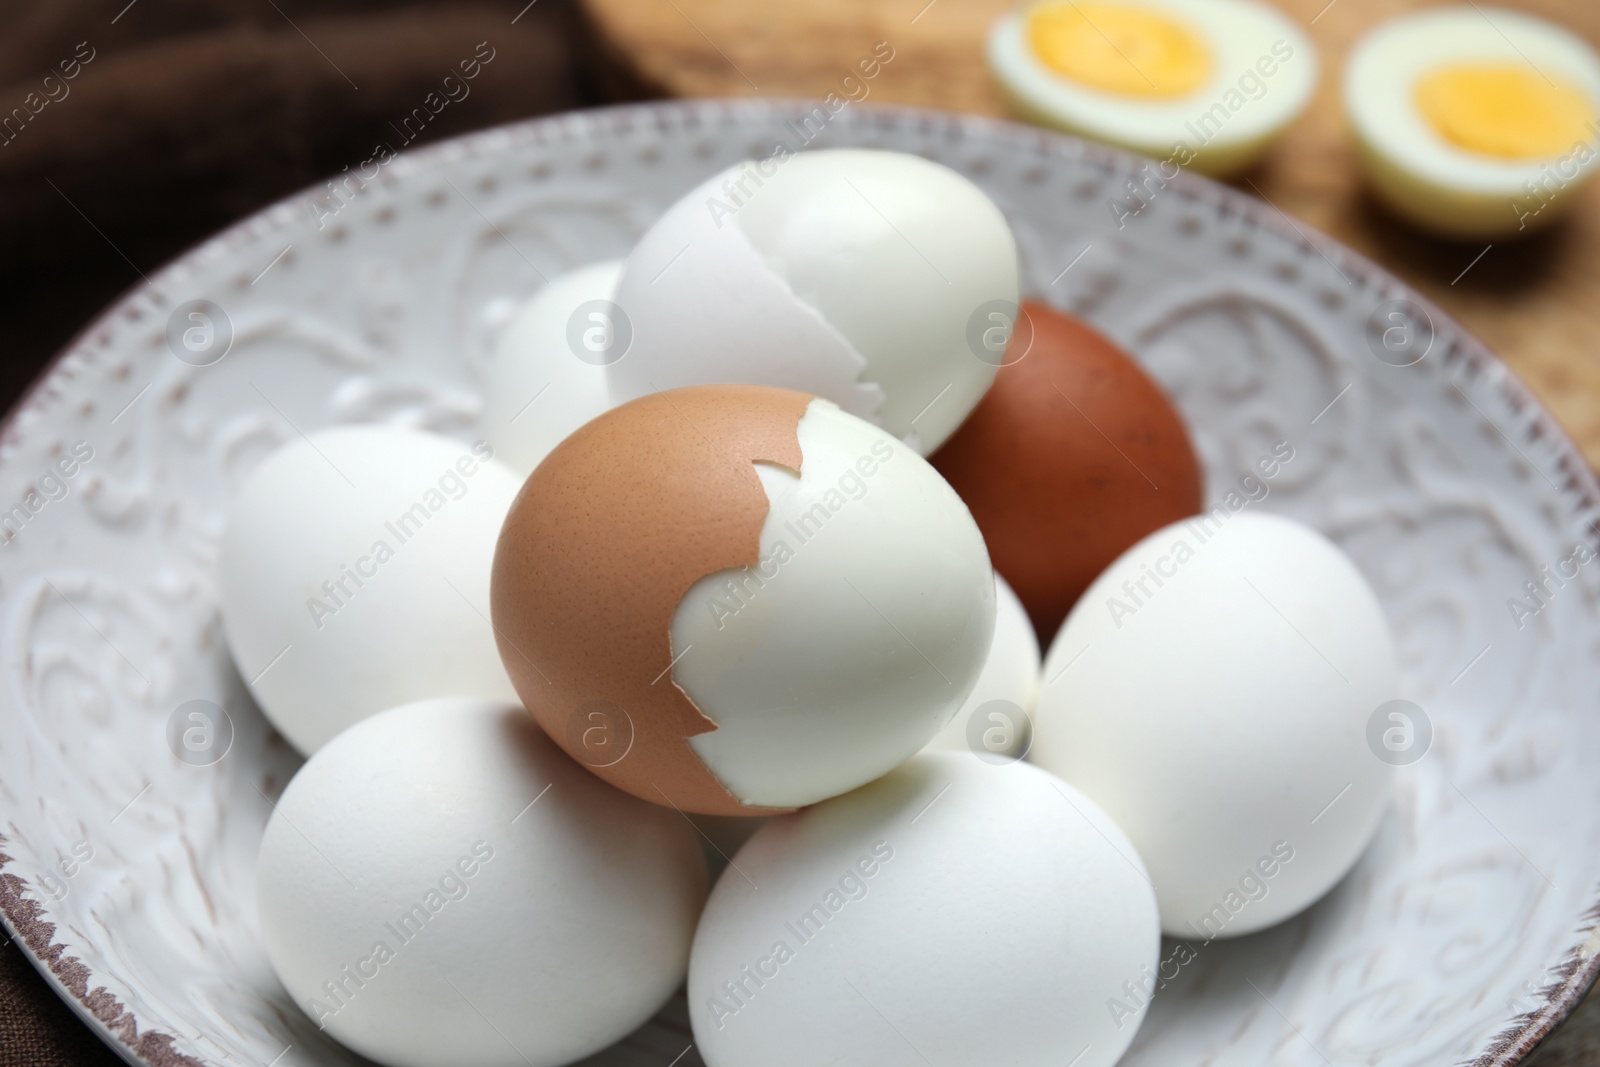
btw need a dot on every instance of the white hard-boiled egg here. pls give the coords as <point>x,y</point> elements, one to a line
<point>440,885</point>
<point>548,373</point>
<point>995,722</point>
<point>866,278</point>
<point>1213,691</point>
<point>951,912</point>
<point>355,576</point>
<point>1475,122</point>
<point>1201,84</point>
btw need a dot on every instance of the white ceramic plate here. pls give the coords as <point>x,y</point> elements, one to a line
<point>1465,933</point>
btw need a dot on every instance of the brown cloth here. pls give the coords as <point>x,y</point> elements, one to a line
<point>37,1029</point>
<point>130,131</point>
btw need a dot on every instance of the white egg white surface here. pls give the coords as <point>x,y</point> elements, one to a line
<point>1010,674</point>
<point>849,274</point>
<point>1218,712</point>
<point>1423,175</point>
<point>1264,70</point>
<point>538,388</point>
<point>441,886</point>
<point>354,576</point>
<point>967,913</point>
<point>861,631</point>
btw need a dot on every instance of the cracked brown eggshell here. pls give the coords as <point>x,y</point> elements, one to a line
<point>596,554</point>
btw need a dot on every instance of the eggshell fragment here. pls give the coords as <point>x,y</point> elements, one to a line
<point>598,550</point>
<point>852,275</point>
<point>1073,455</point>
<point>952,910</point>
<point>707,308</point>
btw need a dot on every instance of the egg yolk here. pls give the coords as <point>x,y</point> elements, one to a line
<point>1117,48</point>
<point>1507,112</point>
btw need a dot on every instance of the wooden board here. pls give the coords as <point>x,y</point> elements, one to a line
<point>1535,303</point>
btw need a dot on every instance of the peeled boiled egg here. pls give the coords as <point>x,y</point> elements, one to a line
<point>1074,454</point>
<point>1475,121</point>
<point>952,912</point>
<point>1211,691</point>
<point>1201,84</point>
<point>548,373</point>
<point>355,576</point>
<point>440,885</point>
<point>852,275</point>
<point>736,598</point>
<point>995,721</point>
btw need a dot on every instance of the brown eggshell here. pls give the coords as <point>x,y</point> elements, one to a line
<point>1072,456</point>
<point>601,544</point>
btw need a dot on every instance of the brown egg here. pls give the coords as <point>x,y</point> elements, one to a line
<point>1072,456</point>
<point>597,552</point>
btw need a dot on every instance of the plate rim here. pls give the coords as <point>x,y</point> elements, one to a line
<point>23,916</point>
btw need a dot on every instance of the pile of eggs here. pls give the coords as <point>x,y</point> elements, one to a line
<point>717,590</point>
<point>1469,121</point>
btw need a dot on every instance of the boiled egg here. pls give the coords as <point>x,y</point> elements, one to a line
<point>1212,692</point>
<point>866,278</point>
<point>547,375</point>
<point>1074,454</point>
<point>441,885</point>
<point>995,723</point>
<point>1475,121</point>
<point>952,912</point>
<point>735,598</point>
<point>1201,84</point>
<point>355,576</point>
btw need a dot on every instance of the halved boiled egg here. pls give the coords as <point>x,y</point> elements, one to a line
<point>1475,121</point>
<point>1206,84</point>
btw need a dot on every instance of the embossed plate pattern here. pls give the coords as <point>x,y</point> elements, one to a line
<point>1465,933</point>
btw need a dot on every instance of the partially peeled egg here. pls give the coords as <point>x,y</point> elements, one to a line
<point>735,599</point>
<point>863,277</point>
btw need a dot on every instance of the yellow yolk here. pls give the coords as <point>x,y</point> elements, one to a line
<point>1117,48</point>
<point>1507,112</point>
